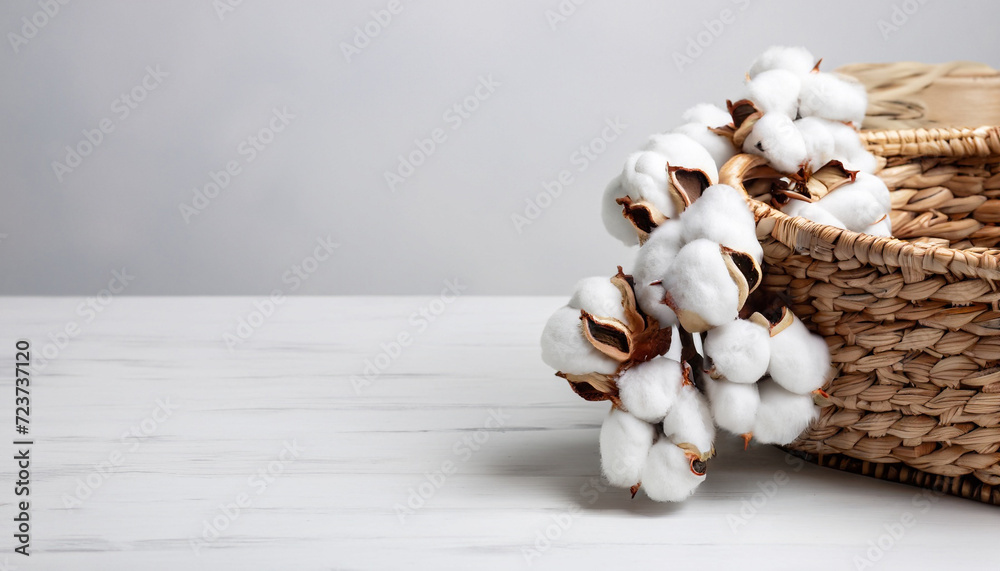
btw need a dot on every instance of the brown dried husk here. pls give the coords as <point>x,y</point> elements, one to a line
<point>913,322</point>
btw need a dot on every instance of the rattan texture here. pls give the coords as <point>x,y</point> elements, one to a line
<point>913,322</point>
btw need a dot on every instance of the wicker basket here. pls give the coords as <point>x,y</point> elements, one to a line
<point>913,322</point>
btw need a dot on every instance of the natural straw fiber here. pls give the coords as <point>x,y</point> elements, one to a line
<point>913,322</point>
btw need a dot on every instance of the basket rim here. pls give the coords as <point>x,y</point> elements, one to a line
<point>956,142</point>
<point>830,244</point>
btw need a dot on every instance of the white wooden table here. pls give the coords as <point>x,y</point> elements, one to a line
<point>462,452</point>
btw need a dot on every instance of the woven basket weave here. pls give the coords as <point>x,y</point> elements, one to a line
<point>913,322</point>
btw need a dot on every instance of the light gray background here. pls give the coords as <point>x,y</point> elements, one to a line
<point>323,175</point>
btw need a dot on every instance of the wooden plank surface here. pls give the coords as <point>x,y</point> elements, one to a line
<point>157,446</point>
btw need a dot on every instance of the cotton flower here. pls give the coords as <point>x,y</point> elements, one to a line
<point>875,187</point>
<point>707,114</point>
<point>848,148</point>
<point>795,59</point>
<point>689,422</point>
<point>649,390</point>
<point>740,350</point>
<point>698,123</point>
<point>733,405</point>
<point>645,178</point>
<point>651,263</point>
<point>855,204</point>
<point>565,349</point>
<point>683,151</point>
<point>800,361</point>
<point>611,214</point>
<point>775,138</point>
<point>833,96</point>
<point>782,415</point>
<point>723,216</point>
<point>819,141</point>
<point>670,473</point>
<point>700,288</point>
<point>775,91</point>
<point>625,442</point>
<point>598,296</point>
<point>812,211</point>
<point>882,228</point>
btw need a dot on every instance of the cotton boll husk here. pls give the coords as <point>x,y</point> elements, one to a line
<point>722,216</point>
<point>645,178</point>
<point>598,296</point>
<point>565,349</point>
<point>782,415</point>
<point>833,96</point>
<point>682,151</point>
<point>812,211</point>
<point>775,91</point>
<point>651,264</point>
<point>854,206</point>
<point>882,228</point>
<point>699,281</point>
<point>625,442</point>
<point>819,141</point>
<point>795,59</point>
<point>666,474</point>
<point>740,350</point>
<point>719,147</point>
<point>648,390</point>
<point>848,148</point>
<point>611,214</point>
<point>708,115</point>
<point>800,361</point>
<point>775,138</point>
<point>734,405</point>
<point>690,420</point>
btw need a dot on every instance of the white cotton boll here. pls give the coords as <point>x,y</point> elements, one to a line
<point>782,415</point>
<point>876,187</point>
<point>666,474</point>
<point>645,178</point>
<point>882,228</point>
<point>775,138</point>
<point>734,405</point>
<point>819,141</point>
<point>812,211</point>
<point>848,148</point>
<point>862,161</point>
<point>854,206</point>
<point>699,282</point>
<point>722,216</point>
<point>611,214</point>
<point>833,96</point>
<point>625,442</point>
<point>800,361</point>
<point>690,420</point>
<point>565,349</point>
<point>648,390</point>
<point>775,91</point>
<point>719,147</point>
<point>651,264</point>
<point>740,350</point>
<point>598,296</point>
<point>682,151</point>
<point>795,59</point>
<point>708,115</point>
